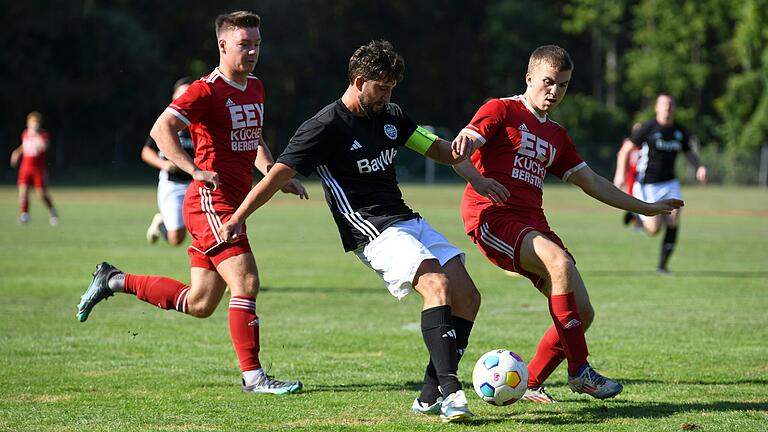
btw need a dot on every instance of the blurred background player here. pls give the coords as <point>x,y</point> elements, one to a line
<point>33,170</point>
<point>224,112</point>
<point>172,183</point>
<point>659,141</point>
<point>626,180</point>
<point>351,144</point>
<point>516,144</point>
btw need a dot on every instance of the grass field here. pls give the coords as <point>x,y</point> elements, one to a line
<point>691,348</point>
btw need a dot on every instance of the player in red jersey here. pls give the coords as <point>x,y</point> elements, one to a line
<point>224,112</point>
<point>33,170</point>
<point>515,144</point>
<point>624,178</point>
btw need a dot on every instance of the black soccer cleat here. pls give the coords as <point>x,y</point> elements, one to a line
<point>97,291</point>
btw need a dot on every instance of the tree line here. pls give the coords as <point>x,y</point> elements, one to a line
<point>101,71</point>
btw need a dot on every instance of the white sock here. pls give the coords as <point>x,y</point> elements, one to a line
<point>250,377</point>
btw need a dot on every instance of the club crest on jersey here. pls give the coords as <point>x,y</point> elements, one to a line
<point>390,131</point>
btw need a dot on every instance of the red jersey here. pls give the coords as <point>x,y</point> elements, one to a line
<point>33,144</point>
<point>520,147</point>
<point>225,120</point>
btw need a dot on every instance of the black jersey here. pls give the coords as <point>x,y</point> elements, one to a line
<point>176,175</point>
<point>354,158</point>
<point>659,146</point>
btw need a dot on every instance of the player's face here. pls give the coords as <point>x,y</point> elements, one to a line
<point>546,87</point>
<point>240,49</point>
<point>374,95</point>
<point>665,109</point>
<point>33,123</point>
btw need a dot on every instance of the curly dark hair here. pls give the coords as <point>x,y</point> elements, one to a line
<point>376,61</point>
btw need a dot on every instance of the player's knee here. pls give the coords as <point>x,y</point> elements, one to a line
<point>176,237</point>
<point>587,315</point>
<point>561,266</point>
<point>434,287</point>
<point>201,309</point>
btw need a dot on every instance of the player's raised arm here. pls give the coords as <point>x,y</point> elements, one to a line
<point>601,189</point>
<point>430,145</point>
<point>621,163</point>
<point>277,177</point>
<point>165,133</point>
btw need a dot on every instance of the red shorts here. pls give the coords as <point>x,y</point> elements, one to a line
<point>204,212</point>
<point>500,239</point>
<point>33,174</point>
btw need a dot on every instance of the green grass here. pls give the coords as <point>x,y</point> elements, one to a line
<point>691,348</point>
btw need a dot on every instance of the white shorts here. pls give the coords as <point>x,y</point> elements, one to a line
<point>652,192</point>
<point>170,198</point>
<point>398,252</point>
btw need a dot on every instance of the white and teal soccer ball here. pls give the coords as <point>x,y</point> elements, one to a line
<point>500,377</point>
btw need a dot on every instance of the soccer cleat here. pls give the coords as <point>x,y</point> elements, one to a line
<point>97,291</point>
<point>53,220</point>
<point>594,384</point>
<point>419,407</point>
<point>454,408</point>
<point>663,272</point>
<point>153,231</point>
<point>268,385</point>
<point>23,218</point>
<point>538,394</point>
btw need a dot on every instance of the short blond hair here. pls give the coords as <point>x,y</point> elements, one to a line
<point>551,55</point>
<point>35,115</point>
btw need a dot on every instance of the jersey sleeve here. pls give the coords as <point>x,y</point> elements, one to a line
<point>568,161</point>
<point>685,142</point>
<point>193,104</point>
<point>487,120</point>
<point>308,148</point>
<point>639,136</point>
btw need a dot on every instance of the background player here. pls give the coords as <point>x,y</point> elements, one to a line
<point>224,112</point>
<point>659,141</point>
<point>33,170</point>
<point>172,183</point>
<point>351,144</point>
<point>516,144</point>
<point>625,179</point>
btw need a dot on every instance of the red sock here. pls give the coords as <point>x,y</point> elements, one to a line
<point>162,292</point>
<point>24,205</point>
<point>244,330</point>
<point>570,329</point>
<point>548,357</point>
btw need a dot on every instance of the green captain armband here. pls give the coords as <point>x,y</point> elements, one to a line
<point>421,140</point>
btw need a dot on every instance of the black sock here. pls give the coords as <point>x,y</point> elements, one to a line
<point>667,246</point>
<point>429,391</point>
<point>440,339</point>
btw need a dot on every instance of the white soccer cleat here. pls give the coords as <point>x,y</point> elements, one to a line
<point>538,395</point>
<point>153,232</point>
<point>594,384</point>
<point>23,218</point>
<point>268,385</point>
<point>454,408</point>
<point>419,407</point>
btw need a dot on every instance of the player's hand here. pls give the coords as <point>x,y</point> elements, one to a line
<point>14,159</point>
<point>295,187</point>
<point>209,178</point>
<point>663,207</point>
<point>701,175</point>
<point>231,231</point>
<point>491,189</point>
<point>463,146</point>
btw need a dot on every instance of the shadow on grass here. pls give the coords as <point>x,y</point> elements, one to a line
<point>594,414</point>
<point>756,381</point>
<point>686,273</point>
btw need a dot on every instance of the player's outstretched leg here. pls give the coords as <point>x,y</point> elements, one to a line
<point>97,291</point>
<point>592,383</point>
<point>454,408</point>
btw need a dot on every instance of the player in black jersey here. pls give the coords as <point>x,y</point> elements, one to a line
<point>171,185</point>
<point>659,141</point>
<point>351,145</point>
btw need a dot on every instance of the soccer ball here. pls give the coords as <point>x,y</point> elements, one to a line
<point>500,377</point>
